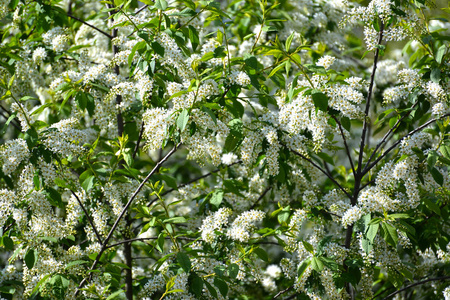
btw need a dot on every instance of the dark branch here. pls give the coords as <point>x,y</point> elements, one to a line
<point>415,284</point>
<point>385,137</point>
<point>87,216</point>
<point>116,223</point>
<point>347,149</point>
<point>141,132</point>
<point>321,170</point>
<point>92,26</point>
<point>369,167</point>
<point>283,292</point>
<point>260,197</point>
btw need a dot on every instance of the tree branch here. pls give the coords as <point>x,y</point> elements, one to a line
<point>92,26</point>
<point>87,216</point>
<point>415,284</point>
<point>260,197</point>
<point>385,137</point>
<point>191,181</point>
<point>141,132</point>
<point>146,239</point>
<point>368,168</point>
<point>347,149</point>
<point>321,170</point>
<point>283,292</point>
<point>366,112</point>
<point>116,223</point>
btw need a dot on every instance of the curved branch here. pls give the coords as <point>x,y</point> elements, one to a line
<point>347,149</point>
<point>385,137</point>
<point>416,284</point>
<point>192,181</point>
<point>369,167</point>
<point>92,26</point>
<point>116,223</point>
<point>321,170</point>
<point>146,239</point>
<point>283,292</point>
<point>87,216</point>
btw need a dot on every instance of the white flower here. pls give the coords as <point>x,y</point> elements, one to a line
<point>326,61</point>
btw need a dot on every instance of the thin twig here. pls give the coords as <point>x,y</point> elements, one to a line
<point>260,197</point>
<point>347,149</point>
<point>141,132</point>
<point>192,181</point>
<point>384,139</point>
<point>88,217</point>
<point>116,223</point>
<point>92,26</point>
<point>141,9</point>
<point>321,170</point>
<point>415,284</point>
<point>367,169</point>
<point>283,292</point>
<point>369,98</point>
<point>146,239</point>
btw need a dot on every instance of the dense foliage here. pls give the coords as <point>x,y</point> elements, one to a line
<point>224,150</point>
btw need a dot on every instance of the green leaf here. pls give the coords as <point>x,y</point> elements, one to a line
<point>389,234</point>
<point>437,176</point>
<point>372,232</point>
<point>158,48</point>
<point>76,263</point>
<point>196,286</point>
<point>308,247</point>
<point>435,75</point>
<point>367,245</point>
<point>88,183</point>
<point>431,205</point>
<point>316,264</point>
<point>236,127</point>
<point>302,267</point>
<point>261,254</point>
<point>184,261</point>
<point>175,220</point>
<point>326,158</point>
<point>44,279</point>
<point>160,242</point>
<point>211,289</point>
<point>395,278</point>
<point>30,258</point>
<point>440,53</point>
<point>320,100</point>
<point>183,119</point>
<point>233,270</point>
<point>216,198</point>
<point>445,150</point>
<point>221,285</point>
<point>161,4</point>
<point>8,243</point>
<point>277,68</point>
<point>115,295</point>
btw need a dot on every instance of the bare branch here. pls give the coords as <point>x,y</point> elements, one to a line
<point>92,26</point>
<point>283,292</point>
<point>321,170</point>
<point>116,223</point>
<point>347,149</point>
<point>369,98</point>
<point>87,216</point>
<point>369,167</point>
<point>415,284</point>
<point>260,197</point>
<point>141,132</point>
<point>385,137</point>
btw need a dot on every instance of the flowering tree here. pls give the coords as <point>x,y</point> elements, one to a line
<point>215,150</point>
